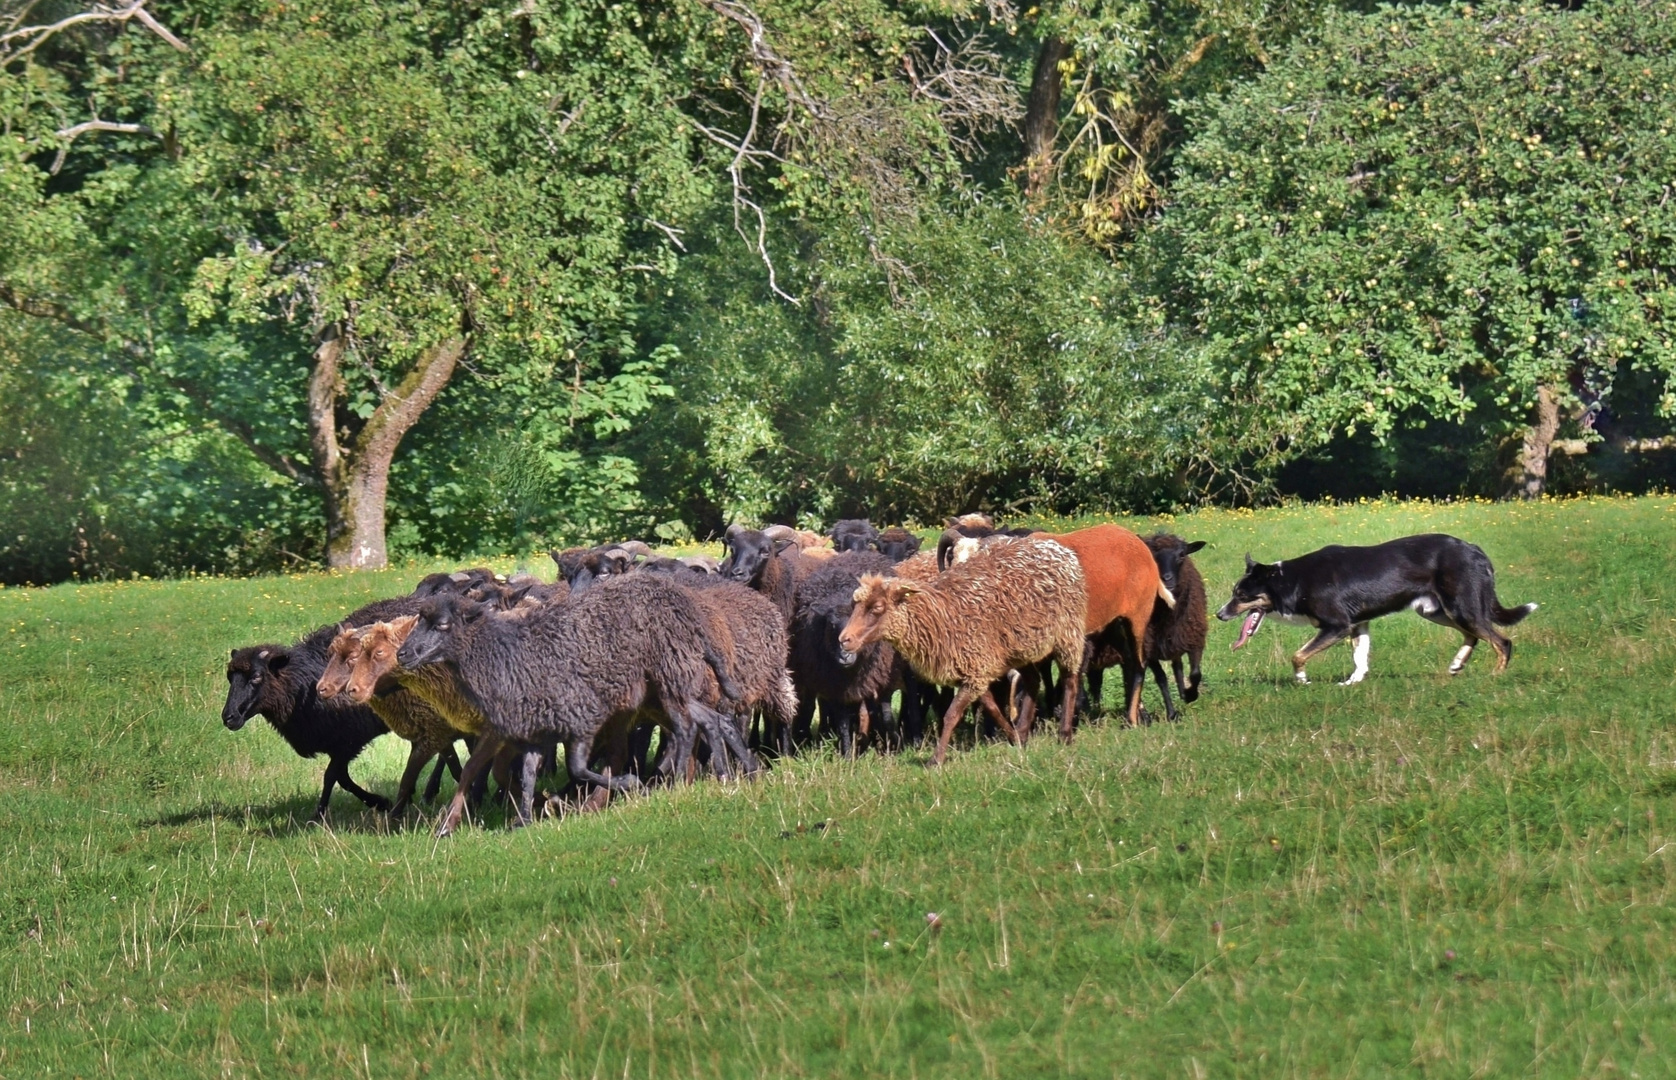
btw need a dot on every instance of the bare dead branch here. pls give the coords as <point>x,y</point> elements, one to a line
<point>21,41</point>
<point>70,134</point>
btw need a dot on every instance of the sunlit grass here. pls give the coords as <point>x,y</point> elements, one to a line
<point>1449,877</point>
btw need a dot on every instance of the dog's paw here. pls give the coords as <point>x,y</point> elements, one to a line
<point>1303,680</point>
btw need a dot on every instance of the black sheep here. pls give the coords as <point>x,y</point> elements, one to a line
<point>575,671</point>
<point>844,682</point>
<point>277,681</point>
<point>458,581</point>
<point>896,544</point>
<point>853,534</point>
<point>771,567</point>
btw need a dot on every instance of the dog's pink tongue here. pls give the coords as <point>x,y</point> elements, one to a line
<point>1252,622</point>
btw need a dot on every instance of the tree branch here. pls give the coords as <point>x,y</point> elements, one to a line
<point>324,385</point>
<point>21,42</point>
<point>104,125</point>
<point>397,413</point>
<point>70,134</point>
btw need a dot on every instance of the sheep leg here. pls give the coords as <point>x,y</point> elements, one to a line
<point>327,784</point>
<point>448,760</point>
<point>799,733</point>
<point>840,716</point>
<point>377,802</point>
<point>912,712</point>
<point>639,746</point>
<point>723,731</point>
<point>482,755</point>
<point>576,758</point>
<point>999,715</point>
<point>1030,680</point>
<point>724,678</point>
<point>1164,688</point>
<point>525,803</point>
<point>1096,689</point>
<point>417,755</point>
<point>1068,702</point>
<point>951,719</point>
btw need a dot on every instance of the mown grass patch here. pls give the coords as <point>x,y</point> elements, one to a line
<point>1450,877</point>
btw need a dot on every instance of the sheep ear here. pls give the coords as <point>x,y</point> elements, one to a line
<point>905,589</point>
<point>1248,563</point>
<point>1195,546</point>
<point>732,532</point>
<point>277,661</point>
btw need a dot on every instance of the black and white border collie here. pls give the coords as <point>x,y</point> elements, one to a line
<point>1338,590</point>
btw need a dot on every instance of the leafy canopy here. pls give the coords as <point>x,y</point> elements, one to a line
<point>1432,212</point>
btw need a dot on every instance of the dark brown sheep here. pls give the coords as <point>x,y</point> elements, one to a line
<point>747,631</point>
<point>575,671</point>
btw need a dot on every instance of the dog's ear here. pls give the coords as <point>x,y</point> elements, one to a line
<point>1248,563</point>
<point>1194,546</point>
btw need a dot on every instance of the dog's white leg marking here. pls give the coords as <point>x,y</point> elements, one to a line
<point>1462,657</point>
<point>1300,676</point>
<point>1363,643</point>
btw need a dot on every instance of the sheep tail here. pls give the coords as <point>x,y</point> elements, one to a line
<point>724,679</point>
<point>1167,596</point>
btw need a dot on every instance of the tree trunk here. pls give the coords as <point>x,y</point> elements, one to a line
<point>357,477</point>
<point>1041,119</point>
<point>1532,468</point>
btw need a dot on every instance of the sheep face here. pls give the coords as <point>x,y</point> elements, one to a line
<point>897,544</point>
<point>375,656</point>
<point>748,553</point>
<point>1167,552</point>
<point>434,629</point>
<point>341,655</point>
<point>458,581</point>
<point>854,534</point>
<point>581,567</point>
<point>250,672</point>
<point>876,600</point>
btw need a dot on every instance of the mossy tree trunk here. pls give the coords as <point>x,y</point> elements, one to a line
<point>354,467</point>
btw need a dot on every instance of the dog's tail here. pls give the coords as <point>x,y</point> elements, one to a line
<point>1510,616</point>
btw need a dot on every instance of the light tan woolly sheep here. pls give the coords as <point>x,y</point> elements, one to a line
<point>1013,604</point>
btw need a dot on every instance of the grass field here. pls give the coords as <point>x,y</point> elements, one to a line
<point>1418,875</point>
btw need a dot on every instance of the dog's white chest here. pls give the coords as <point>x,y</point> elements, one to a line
<point>1425,605</point>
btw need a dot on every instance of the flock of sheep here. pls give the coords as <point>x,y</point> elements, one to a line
<point>650,669</point>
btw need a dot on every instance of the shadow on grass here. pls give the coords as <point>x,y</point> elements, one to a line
<point>288,817</point>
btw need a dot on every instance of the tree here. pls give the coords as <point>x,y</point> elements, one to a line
<point>385,192</point>
<point>1427,214</point>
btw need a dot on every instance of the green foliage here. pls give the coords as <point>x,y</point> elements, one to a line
<point>102,478</point>
<point>1419,875</point>
<point>1424,214</point>
<point>979,364</point>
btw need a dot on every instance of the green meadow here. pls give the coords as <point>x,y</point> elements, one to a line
<point>1419,875</point>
